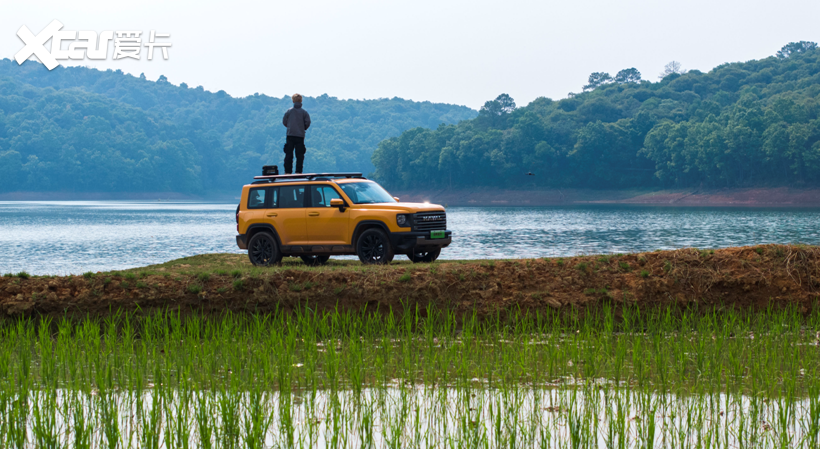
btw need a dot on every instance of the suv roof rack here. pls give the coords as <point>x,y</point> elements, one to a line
<point>308,176</point>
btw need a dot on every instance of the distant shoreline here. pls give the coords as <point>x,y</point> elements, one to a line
<point>753,197</point>
<point>114,196</point>
<point>484,196</point>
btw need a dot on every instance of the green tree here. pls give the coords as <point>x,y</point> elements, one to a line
<point>796,47</point>
<point>506,102</point>
<point>630,75</point>
<point>597,79</point>
<point>494,112</point>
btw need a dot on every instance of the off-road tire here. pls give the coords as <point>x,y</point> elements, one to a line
<point>315,261</point>
<point>424,257</point>
<point>373,247</point>
<point>263,250</point>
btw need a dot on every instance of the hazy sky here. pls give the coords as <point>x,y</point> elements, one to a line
<point>462,52</point>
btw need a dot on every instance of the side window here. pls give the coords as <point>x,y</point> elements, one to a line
<point>291,196</point>
<point>256,198</point>
<point>273,196</point>
<point>321,195</point>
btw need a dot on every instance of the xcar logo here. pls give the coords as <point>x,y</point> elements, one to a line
<point>127,44</point>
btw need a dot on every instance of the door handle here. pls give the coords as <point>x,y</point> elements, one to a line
<point>272,214</point>
<point>314,214</point>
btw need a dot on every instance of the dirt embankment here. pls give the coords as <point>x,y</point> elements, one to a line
<point>747,277</point>
<point>759,197</point>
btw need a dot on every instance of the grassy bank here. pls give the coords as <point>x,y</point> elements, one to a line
<point>747,277</point>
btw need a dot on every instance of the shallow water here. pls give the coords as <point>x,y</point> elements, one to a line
<point>416,416</point>
<point>79,236</point>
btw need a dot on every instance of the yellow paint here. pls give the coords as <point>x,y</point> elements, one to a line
<point>328,225</point>
<point>290,224</point>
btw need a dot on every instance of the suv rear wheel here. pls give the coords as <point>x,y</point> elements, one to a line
<point>373,247</point>
<point>426,256</point>
<point>315,261</point>
<point>263,250</point>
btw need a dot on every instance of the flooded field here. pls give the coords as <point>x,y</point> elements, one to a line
<point>626,378</point>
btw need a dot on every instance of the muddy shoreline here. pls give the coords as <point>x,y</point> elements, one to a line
<point>746,277</point>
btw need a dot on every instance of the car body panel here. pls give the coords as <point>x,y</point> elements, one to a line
<point>328,225</point>
<point>291,226</point>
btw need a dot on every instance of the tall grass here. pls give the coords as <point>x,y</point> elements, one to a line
<point>427,378</point>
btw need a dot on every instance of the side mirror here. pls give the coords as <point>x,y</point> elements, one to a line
<point>397,199</point>
<point>338,202</point>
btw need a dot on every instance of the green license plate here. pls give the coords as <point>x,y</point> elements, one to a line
<point>436,234</point>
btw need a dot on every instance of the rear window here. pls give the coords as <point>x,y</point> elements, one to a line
<point>263,198</point>
<point>291,196</point>
<point>256,198</point>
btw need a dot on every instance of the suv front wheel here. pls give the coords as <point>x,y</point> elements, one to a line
<point>263,250</point>
<point>373,247</point>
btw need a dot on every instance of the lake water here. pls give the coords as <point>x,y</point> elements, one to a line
<point>79,236</point>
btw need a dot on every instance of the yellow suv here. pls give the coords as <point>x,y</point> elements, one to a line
<point>318,215</point>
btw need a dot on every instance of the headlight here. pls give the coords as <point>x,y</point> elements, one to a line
<point>402,220</point>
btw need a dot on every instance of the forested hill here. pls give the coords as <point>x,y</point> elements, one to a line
<point>80,129</point>
<point>742,124</point>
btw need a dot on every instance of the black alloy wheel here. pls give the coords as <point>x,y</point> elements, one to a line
<point>315,261</point>
<point>424,256</point>
<point>373,247</point>
<point>263,250</point>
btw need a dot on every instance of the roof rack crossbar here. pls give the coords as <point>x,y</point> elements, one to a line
<point>309,176</point>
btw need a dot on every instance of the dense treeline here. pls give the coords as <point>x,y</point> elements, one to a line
<point>88,130</point>
<point>742,124</point>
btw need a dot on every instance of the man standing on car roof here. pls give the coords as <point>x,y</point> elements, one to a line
<point>297,120</point>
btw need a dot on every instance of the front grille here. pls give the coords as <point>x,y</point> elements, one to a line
<point>430,221</point>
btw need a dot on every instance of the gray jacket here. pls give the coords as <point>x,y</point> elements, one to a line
<point>297,120</point>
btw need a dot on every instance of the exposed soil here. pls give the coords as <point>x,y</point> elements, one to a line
<point>747,277</point>
<point>759,197</point>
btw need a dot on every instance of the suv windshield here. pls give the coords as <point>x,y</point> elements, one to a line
<point>366,192</point>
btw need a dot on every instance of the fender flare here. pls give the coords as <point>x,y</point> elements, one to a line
<point>258,227</point>
<point>358,229</point>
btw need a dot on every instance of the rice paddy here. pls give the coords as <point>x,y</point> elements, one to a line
<point>611,377</point>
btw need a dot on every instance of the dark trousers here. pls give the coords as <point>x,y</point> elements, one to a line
<point>297,143</point>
